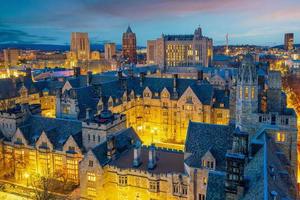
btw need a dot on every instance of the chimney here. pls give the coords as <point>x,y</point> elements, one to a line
<point>175,93</point>
<point>199,76</point>
<point>89,78</point>
<point>130,71</point>
<point>152,157</point>
<point>76,71</point>
<point>137,154</point>
<point>175,77</point>
<point>142,77</point>
<point>111,147</point>
<point>120,76</point>
<point>87,113</point>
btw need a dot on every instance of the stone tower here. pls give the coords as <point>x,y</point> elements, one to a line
<point>247,95</point>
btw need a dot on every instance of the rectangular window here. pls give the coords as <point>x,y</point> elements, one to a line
<point>280,137</point>
<point>91,163</point>
<point>91,191</point>
<point>123,180</point>
<point>241,92</point>
<point>252,93</point>
<point>91,177</point>
<point>246,93</point>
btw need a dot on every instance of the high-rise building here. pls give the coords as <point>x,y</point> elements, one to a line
<point>181,50</point>
<point>289,41</point>
<point>11,57</point>
<point>129,46</point>
<point>109,51</point>
<point>80,44</point>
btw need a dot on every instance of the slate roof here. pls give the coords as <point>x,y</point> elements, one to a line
<point>216,186</point>
<point>267,172</point>
<point>124,140</point>
<point>203,137</point>
<point>57,130</point>
<point>168,161</point>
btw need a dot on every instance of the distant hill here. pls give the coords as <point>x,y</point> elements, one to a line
<point>282,46</point>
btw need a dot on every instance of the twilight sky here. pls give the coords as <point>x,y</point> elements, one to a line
<point>261,22</point>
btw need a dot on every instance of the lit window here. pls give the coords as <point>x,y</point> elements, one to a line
<point>91,191</point>
<point>252,93</point>
<point>241,92</point>
<point>123,180</point>
<point>154,186</point>
<point>204,181</point>
<point>91,177</point>
<point>280,137</point>
<point>246,93</point>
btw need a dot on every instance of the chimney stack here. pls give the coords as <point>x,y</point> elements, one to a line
<point>137,154</point>
<point>142,77</point>
<point>152,157</point>
<point>120,75</point>
<point>175,93</point>
<point>87,113</point>
<point>89,78</point>
<point>200,76</point>
<point>111,149</point>
<point>76,71</point>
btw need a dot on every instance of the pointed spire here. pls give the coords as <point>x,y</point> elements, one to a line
<point>129,29</point>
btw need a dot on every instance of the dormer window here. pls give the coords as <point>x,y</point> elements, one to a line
<point>146,94</point>
<point>71,149</point>
<point>44,145</point>
<point>19,141</point>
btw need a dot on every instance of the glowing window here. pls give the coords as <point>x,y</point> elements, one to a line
<point>252,93</point>
<point>246,93</point>
<point>91,191</point>
<point>91,177</point>
<point>280,137</point>
<point>241,92</point>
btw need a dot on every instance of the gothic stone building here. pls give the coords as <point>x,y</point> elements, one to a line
<point>158,109</point>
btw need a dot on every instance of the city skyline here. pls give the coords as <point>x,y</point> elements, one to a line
<point>51,22</point>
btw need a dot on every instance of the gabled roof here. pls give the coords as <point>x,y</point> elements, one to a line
<point>57,130</point>
<point>202,137</point>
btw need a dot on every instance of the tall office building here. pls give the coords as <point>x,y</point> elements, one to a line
<point>181,50</point>
<point>109,51</point>
<point>289,41</point>
<point>80,44</point>
<point>129,46</point>
<point>11,57</point>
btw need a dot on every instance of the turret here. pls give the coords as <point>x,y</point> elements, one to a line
<point>247,94</point>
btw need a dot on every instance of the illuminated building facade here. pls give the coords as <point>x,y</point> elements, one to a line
<point>129,46</point>
<point>218,162</point>
<point>158,109</point>
<point>95,55</point>
<point>289,41</point>
<point>23,90</point>
<point>11,57</point>
<point>80,44</point>
<point>181,50</point>
<point>34,145</point>
<point>109,51</point>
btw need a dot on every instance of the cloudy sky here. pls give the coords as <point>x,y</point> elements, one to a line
<point>261,22</point>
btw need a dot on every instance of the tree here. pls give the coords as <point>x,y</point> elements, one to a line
<point>42,185</point>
